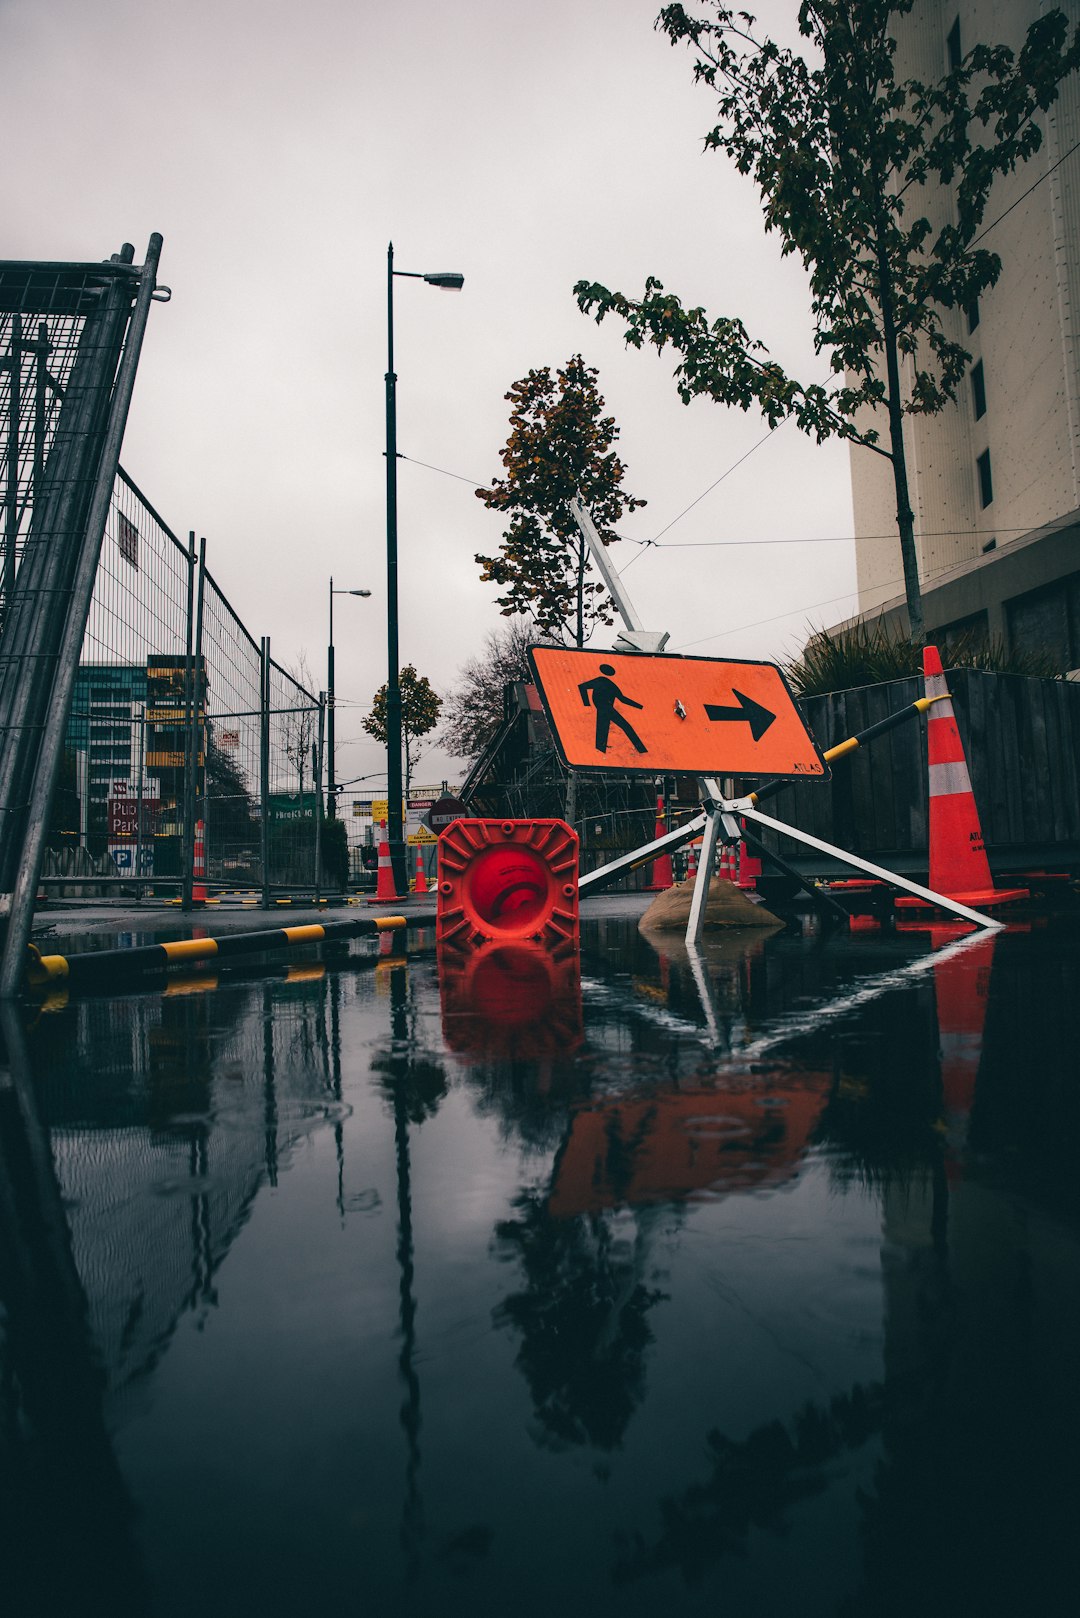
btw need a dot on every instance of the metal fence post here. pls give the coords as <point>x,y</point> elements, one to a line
<point>317,772</point>
<point>187,841</point>
<point>139,805</point>
<point>264,768</point>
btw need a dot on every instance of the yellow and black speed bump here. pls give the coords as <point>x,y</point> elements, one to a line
<point>102,966</point>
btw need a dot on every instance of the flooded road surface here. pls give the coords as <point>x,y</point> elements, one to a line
<point>750,1288</point>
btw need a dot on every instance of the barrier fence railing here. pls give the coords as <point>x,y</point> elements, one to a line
<point>164,768</point>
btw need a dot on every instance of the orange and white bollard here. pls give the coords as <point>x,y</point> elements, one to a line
<point>959,868</point>
<point>198,865</point>
<point>385,891</point>
<point>420,885</point>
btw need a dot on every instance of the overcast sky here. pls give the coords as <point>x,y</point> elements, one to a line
<point>278,148</point>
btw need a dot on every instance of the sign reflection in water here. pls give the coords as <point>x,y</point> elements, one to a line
<point>313,1274</point>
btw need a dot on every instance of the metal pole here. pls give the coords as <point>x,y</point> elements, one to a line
<point>393,685</point>
<point>318,795</point>
<point>12,513</point>
<point>331,801</point>
<point>187,843</point>
<point>264,767</point>
<point>43,349</point>
<point>139,804</point>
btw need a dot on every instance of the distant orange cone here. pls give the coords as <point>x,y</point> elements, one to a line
<point>420,885</point>
<point>691,862</point>
<point>198,865</point>
<point>385,891</point>
<point>750,867</point>
<point>661,875</point>
<point>959,868</point>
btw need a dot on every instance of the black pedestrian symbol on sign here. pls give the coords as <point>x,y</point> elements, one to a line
<point>605,694</point>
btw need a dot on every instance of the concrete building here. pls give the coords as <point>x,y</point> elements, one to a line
<point>995,478</point>
<point>103,736</point>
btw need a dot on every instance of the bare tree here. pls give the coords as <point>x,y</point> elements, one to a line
<point>473,711</point>
<point>299,723</point>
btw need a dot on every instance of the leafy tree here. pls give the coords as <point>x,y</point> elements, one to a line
<point>420,709</point>
<point>852,166</point>
<point>559,446</point>
<point>473,711</point>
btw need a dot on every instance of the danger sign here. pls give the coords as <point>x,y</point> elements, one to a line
<point>651,714</point>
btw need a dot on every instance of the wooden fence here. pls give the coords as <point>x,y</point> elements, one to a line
<point>1022,741</point>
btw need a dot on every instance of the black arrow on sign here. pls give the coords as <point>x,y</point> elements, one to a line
<point>758,718</point>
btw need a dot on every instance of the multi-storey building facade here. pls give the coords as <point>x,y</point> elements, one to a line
<point>995,478</point>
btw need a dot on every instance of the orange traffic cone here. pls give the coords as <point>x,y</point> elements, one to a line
<point>198,865</point>
<point>420,885</point>
<point>959,868</point>
<point>726,868</point>
<point>691,862</point>
<point>385,891</point>
<point>661,875</point>
<point>749,868</point>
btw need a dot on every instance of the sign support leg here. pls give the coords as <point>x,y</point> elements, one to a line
<point>938,900</point>
<point>695,924</point>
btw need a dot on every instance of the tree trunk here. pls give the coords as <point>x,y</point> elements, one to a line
<point>905,517</point>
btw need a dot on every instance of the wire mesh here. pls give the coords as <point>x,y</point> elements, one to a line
<point>232,802</point>
<point>189,754</point>
<point>293,778</point>
<point>45,334</point>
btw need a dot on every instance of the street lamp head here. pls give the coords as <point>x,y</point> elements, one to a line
<point>358,592</point>
<point>448,280</point>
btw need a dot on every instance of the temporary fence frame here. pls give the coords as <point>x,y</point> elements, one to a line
<point>137,666</point>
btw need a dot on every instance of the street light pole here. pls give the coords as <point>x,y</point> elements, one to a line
<point>331,788</point>
<point>449,281</point>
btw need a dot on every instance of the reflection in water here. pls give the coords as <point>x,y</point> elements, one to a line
<point>514,1002</point>
<point>761,1297</point>
<point>693,1143</point>
<point>754,1483</point>
<point>581,1316</point>
<point>67,1517</point>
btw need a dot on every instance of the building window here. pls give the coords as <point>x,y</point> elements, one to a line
<point>952,46</point>
<point>978,389</point>
<point>986,482</point>
<point>1047,621</point>
<point>973,314</point>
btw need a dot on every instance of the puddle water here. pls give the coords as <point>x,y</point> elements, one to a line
<point>617,1284</point>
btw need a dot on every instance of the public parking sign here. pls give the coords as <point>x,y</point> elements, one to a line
<point>653,714</point>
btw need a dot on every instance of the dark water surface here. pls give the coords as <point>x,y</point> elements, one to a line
<point>537,1291</point>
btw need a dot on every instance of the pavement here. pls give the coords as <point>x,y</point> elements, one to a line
<point>104,923</point>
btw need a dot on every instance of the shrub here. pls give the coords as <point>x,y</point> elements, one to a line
<point>869,653</point>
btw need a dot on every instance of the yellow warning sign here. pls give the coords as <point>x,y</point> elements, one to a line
<point>656,713</point>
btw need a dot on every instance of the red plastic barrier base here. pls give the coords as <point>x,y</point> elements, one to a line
<point>507,879</point>
<point>981,899</point>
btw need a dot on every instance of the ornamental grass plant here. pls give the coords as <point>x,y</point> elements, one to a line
<point>870,653</point>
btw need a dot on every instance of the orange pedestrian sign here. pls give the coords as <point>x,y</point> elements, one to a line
<point>660,714</point>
